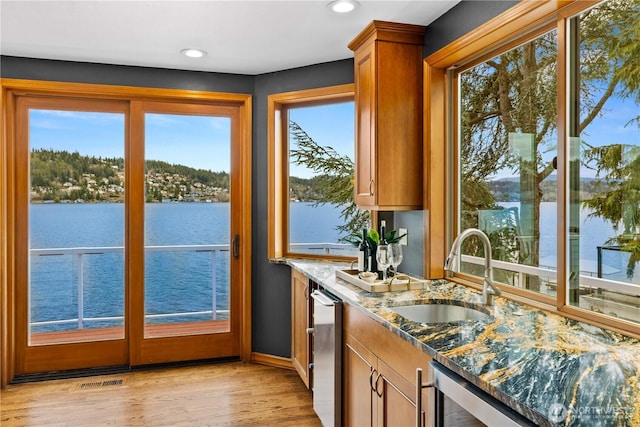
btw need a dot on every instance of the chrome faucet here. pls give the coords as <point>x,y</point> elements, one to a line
<point>452,263</point>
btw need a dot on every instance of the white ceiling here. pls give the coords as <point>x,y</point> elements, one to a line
<point>244,37</point>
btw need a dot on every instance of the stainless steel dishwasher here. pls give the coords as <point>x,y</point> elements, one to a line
<point>454,395</point>
<point>327,357</point>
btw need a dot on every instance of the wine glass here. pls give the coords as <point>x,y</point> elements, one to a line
<point>395,253</point>
<point>383,256</point>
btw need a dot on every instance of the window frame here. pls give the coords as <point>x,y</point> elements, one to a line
<point>278,162</point>
<point>523,22</point>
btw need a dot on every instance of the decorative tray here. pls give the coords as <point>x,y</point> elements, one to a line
<point>400,282</point>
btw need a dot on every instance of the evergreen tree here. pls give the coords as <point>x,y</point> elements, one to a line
<point>515,92</point>
<point>334,179</point>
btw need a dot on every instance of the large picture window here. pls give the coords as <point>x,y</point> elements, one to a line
<point>547,135</point>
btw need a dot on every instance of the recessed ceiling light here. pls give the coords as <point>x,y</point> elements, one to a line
<point>343,6</point>
<point>193,53</point>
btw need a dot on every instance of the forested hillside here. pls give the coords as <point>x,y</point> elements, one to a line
<point>60,176</point>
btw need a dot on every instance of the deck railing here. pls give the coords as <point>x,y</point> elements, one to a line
<point>82,252</point>
<point>323,248</point>
<point>586,280</point>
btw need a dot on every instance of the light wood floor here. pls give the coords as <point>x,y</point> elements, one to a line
<point>224,394</point>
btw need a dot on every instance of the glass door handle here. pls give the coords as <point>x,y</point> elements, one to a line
<point>235,244</point>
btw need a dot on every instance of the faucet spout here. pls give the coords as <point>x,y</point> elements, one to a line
<point>489,289</point>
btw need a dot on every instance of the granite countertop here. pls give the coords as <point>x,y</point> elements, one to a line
<point>551,369</point>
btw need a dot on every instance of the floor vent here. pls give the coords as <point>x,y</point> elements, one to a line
<point>99,384</point>
<point>74,373</point>
<point>111,382</point>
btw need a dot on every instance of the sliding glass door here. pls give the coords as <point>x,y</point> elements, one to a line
<point>125,249</point>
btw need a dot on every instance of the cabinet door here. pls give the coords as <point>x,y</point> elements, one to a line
<point>365,148</point>
<point>358,375</point>
<point>389,116</point>
<point>301,320</point>
<point>396,397</point>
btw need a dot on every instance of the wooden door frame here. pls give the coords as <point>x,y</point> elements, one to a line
<point>10,90</point>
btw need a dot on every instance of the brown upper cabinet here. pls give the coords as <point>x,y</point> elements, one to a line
<point>388,102</point>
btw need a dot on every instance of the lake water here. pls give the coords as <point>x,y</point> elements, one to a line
<point>181,281</point>
<point>102,224</point>
<point>594,233</point>
<point>175,281</point>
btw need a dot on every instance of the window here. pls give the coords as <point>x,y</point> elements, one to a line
<point>507,148</point>
<point>545,121</point>
<point>604,160</point>
<point>77,189</point>
<point>311,143</point>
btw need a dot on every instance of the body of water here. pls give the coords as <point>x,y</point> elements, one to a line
<point>182,280</point>
<point>592,232</point>
<point>175,281</point>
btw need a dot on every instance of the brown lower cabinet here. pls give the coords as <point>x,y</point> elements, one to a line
<point>379,368</point>
<point>301,313</point>
<point>379,375</point>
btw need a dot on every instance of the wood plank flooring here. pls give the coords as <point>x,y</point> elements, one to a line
<point>223,394</point>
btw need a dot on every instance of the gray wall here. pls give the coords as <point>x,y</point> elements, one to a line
<point>82,72</point>
<point>271,283</point>
<point>461,19</point>
<point>271,298</point>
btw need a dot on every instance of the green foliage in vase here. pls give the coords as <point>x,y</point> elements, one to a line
<point>373,237</point>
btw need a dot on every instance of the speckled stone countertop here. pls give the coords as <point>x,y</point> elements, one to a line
<point>553,370</point>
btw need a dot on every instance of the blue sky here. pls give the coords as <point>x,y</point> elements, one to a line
<point>328,125</point>
<point>611,127</point>
<point>614,126</point>
<point>196,141</point>
<point>93,134</point>
<point>202,142</point>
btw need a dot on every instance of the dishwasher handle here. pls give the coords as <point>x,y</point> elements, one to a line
<point>322,298</point>
<point>419,386</point>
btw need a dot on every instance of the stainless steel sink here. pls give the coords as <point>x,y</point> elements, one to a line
<point>439,313</point>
